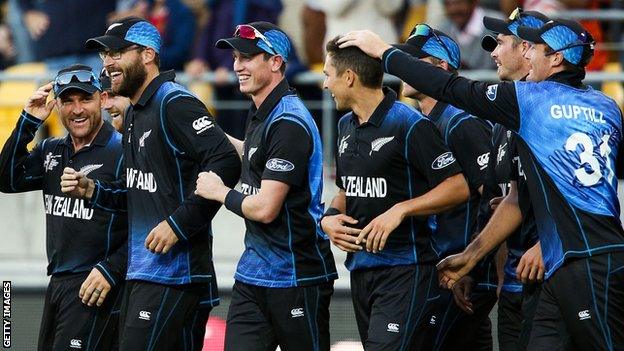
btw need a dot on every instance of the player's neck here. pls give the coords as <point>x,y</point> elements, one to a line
<point>261,95</point>
<point>366,103</point>
<point>151,75</point>
<point>427,104</point>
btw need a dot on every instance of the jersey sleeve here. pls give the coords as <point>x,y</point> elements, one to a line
<point>495,102</point>
<point>193,131</point>
<point>288,152</point>
<point>21,170</point>
<point>428,154</point>
<point>470,143</point>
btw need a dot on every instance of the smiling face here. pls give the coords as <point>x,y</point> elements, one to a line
<point>509,58</point>
<point>80,113</point>
<point>115,105</point>
<point>128,73</point>
<point>337,84</point>
<point>254,73</point>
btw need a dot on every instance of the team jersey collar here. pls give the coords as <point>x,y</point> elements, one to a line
<point>574,79</point>
<point>437,110</point>
<point>101,139</point>
<point>153,86</point>
<point>381,110</point>
<point>271,100</point>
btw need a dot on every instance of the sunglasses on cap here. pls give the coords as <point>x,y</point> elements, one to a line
<point>246,31</point>
<point>82,76</point>
<point>424,30</point>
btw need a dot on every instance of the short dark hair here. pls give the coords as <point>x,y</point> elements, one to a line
<point>436,61</point>
<point>368,69</point>
<point>267,56</point>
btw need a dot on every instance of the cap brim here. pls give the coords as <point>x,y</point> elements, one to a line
<point>86,87</point>
<point>412,50</point>
<point>489,43</point>
<point>242,45</point>
<point>107,42</point>
<point>497,25</point>
<point>530,34</point>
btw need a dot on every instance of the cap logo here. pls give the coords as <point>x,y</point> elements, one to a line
<point>113,26</point>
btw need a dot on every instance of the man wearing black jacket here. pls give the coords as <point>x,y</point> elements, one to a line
<point>569,138</point>
<point>169,139</point>
<point>86,248</point>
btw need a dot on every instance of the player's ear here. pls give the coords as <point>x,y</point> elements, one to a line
<point>556,59</point>
<point>349,77</point>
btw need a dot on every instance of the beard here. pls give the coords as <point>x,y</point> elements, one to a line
<point>134,77</point>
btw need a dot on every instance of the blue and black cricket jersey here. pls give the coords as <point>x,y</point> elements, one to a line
<point>468,139</point>
<point>568,140</point>
<point>395,156</point>
<point>78,238</point>
<point>282,143</point>
<point>170,138</point>
<point>504,167</point>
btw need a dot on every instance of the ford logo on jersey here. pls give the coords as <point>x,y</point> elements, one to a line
<point>443,160</point>
<point>279,165</point>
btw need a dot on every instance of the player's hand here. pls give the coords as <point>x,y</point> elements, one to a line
<point>342,236</point>
<point>461,293</point>
<point>161,239</point>
<point>377,231</point>
<point>531,266</point>
<point>453,268</point>
<point>210,186</point>
<point>94,289</point>
<point>37,104</point>
<point>76,184</point>
<point>495,202</point>
<point>366,40</point>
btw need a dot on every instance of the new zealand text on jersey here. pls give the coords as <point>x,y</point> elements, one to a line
<point>139,180</point>
<point>66,207</point>
<point>365,186</point>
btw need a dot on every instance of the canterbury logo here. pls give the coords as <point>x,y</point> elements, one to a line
<point>393,327</point>
<point>378,143</point>
<point>483,160</point>
<point>202,124</point>
<point>89,168</point>
<point>144,315</point>
<point>296,312</point>
<point>75,343</point>
<point>583,315</point>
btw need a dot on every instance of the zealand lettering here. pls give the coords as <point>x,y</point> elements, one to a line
<point>365,186</point>
<point>66,207</point>
<point>137,179</point>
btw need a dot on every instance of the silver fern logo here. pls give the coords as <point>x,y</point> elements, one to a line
<point>89,168</point>
<point>142,139</point>
<point>377,144</point>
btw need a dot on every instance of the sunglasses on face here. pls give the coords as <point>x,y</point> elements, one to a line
<point>82,76</point>
<point>424,30</point>
<point>246,31</point>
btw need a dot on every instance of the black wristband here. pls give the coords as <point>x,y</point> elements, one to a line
<point>234,202</point>
<point>332,211</point>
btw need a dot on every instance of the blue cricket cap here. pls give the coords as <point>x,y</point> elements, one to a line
<point>258,37</point>
<point>126,32</point>
<point>566,36</point>
<point>510,26</point>
<point>425,41</point>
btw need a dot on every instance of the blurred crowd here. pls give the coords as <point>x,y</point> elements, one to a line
<point>54,32</point>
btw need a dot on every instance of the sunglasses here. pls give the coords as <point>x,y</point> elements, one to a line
<point>81,76</point>
<point>424,30</point>
<point>246,31</point>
